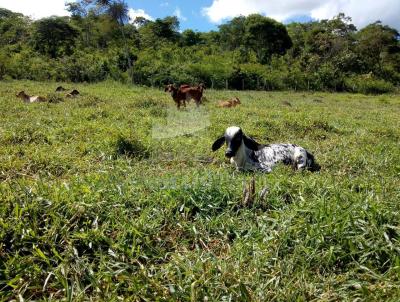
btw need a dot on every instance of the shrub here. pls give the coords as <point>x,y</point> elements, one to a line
<point>3,65</point>
<point>367,84</point>
<point>81,67</point>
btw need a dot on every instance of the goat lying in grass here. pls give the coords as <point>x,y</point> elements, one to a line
<point>70,95</point>
<point>60,88</point>
<point>246,154</point>
<point>30,99</point>
<point>229,103</point>
<point>74,93</point>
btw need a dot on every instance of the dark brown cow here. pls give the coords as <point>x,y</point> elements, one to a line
<point>185,93</point>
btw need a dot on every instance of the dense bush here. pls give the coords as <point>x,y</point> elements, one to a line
<point>368,85</point>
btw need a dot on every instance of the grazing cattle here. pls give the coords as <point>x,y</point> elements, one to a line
<point>248,155</point>
<point>30,99</point>
<point>185,93</point>
<point>60,88</point>
<point>229,103</point>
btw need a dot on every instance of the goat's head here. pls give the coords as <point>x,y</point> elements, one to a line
<point>60,88</point>
<point>169,88</point>
<point>236,101</point>
<point>21,94</point>
<point>234,138</point>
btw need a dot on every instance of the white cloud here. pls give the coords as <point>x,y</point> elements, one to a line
<point>36,9</point>
<point>133,13</point>
<point>178,13</point>
<point>362,12</point>
<point>44,8</point>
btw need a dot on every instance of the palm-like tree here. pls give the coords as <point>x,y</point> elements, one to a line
<point>118,11</point>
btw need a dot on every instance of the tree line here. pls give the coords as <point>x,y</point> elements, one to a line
<point>98,42</point>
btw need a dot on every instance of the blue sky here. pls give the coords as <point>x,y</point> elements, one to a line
<point>191,15</point>
<point>205,15</point>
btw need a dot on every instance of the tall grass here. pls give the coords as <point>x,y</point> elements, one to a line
<point>95,205</point>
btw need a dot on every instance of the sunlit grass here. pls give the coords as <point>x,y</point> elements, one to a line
<point>115,195</point>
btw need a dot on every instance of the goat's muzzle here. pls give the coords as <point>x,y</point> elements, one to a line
<point>229,153</point>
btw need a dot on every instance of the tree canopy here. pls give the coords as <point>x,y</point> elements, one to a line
<point>54,36</point>
<point>99,41</point>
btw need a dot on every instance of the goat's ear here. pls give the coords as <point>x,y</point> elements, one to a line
<point>250,143</point>
<point>218,143</point>
<point>313,166</point>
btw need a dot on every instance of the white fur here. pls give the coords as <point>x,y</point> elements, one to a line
<point>231,131</point>
<point>34,99</point>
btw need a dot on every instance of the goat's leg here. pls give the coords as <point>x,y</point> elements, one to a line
<point>265,168</point>
<point>187,99</point>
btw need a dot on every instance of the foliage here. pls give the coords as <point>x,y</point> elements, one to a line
<point>54,37</point>
<point>266,37</point>
<point>99,41</point>
<point>368,85</point>
<point>14,28</point>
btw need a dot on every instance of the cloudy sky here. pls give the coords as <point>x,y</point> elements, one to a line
<point>204,15</point>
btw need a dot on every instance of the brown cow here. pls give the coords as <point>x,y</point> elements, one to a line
<point>185,93</point>
<point>229,103</point>
<point>30,99</point>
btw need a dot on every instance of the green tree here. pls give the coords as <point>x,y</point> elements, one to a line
<point>233,33</point>
<point>140,21</point>
<point>266,37</point>
<point>190,38</point>
<point>378,46</point>
<point>54,36</point>
<point>84,17</point>
<point>14,27</point>
<point>156,32</point>
<point>118,11</point>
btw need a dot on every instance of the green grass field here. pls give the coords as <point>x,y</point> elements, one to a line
<point>117,196</point>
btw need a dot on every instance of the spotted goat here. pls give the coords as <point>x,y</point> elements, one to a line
<point>248,155</point>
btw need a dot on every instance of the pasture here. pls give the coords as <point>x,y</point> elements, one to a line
<point>115,195</point>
